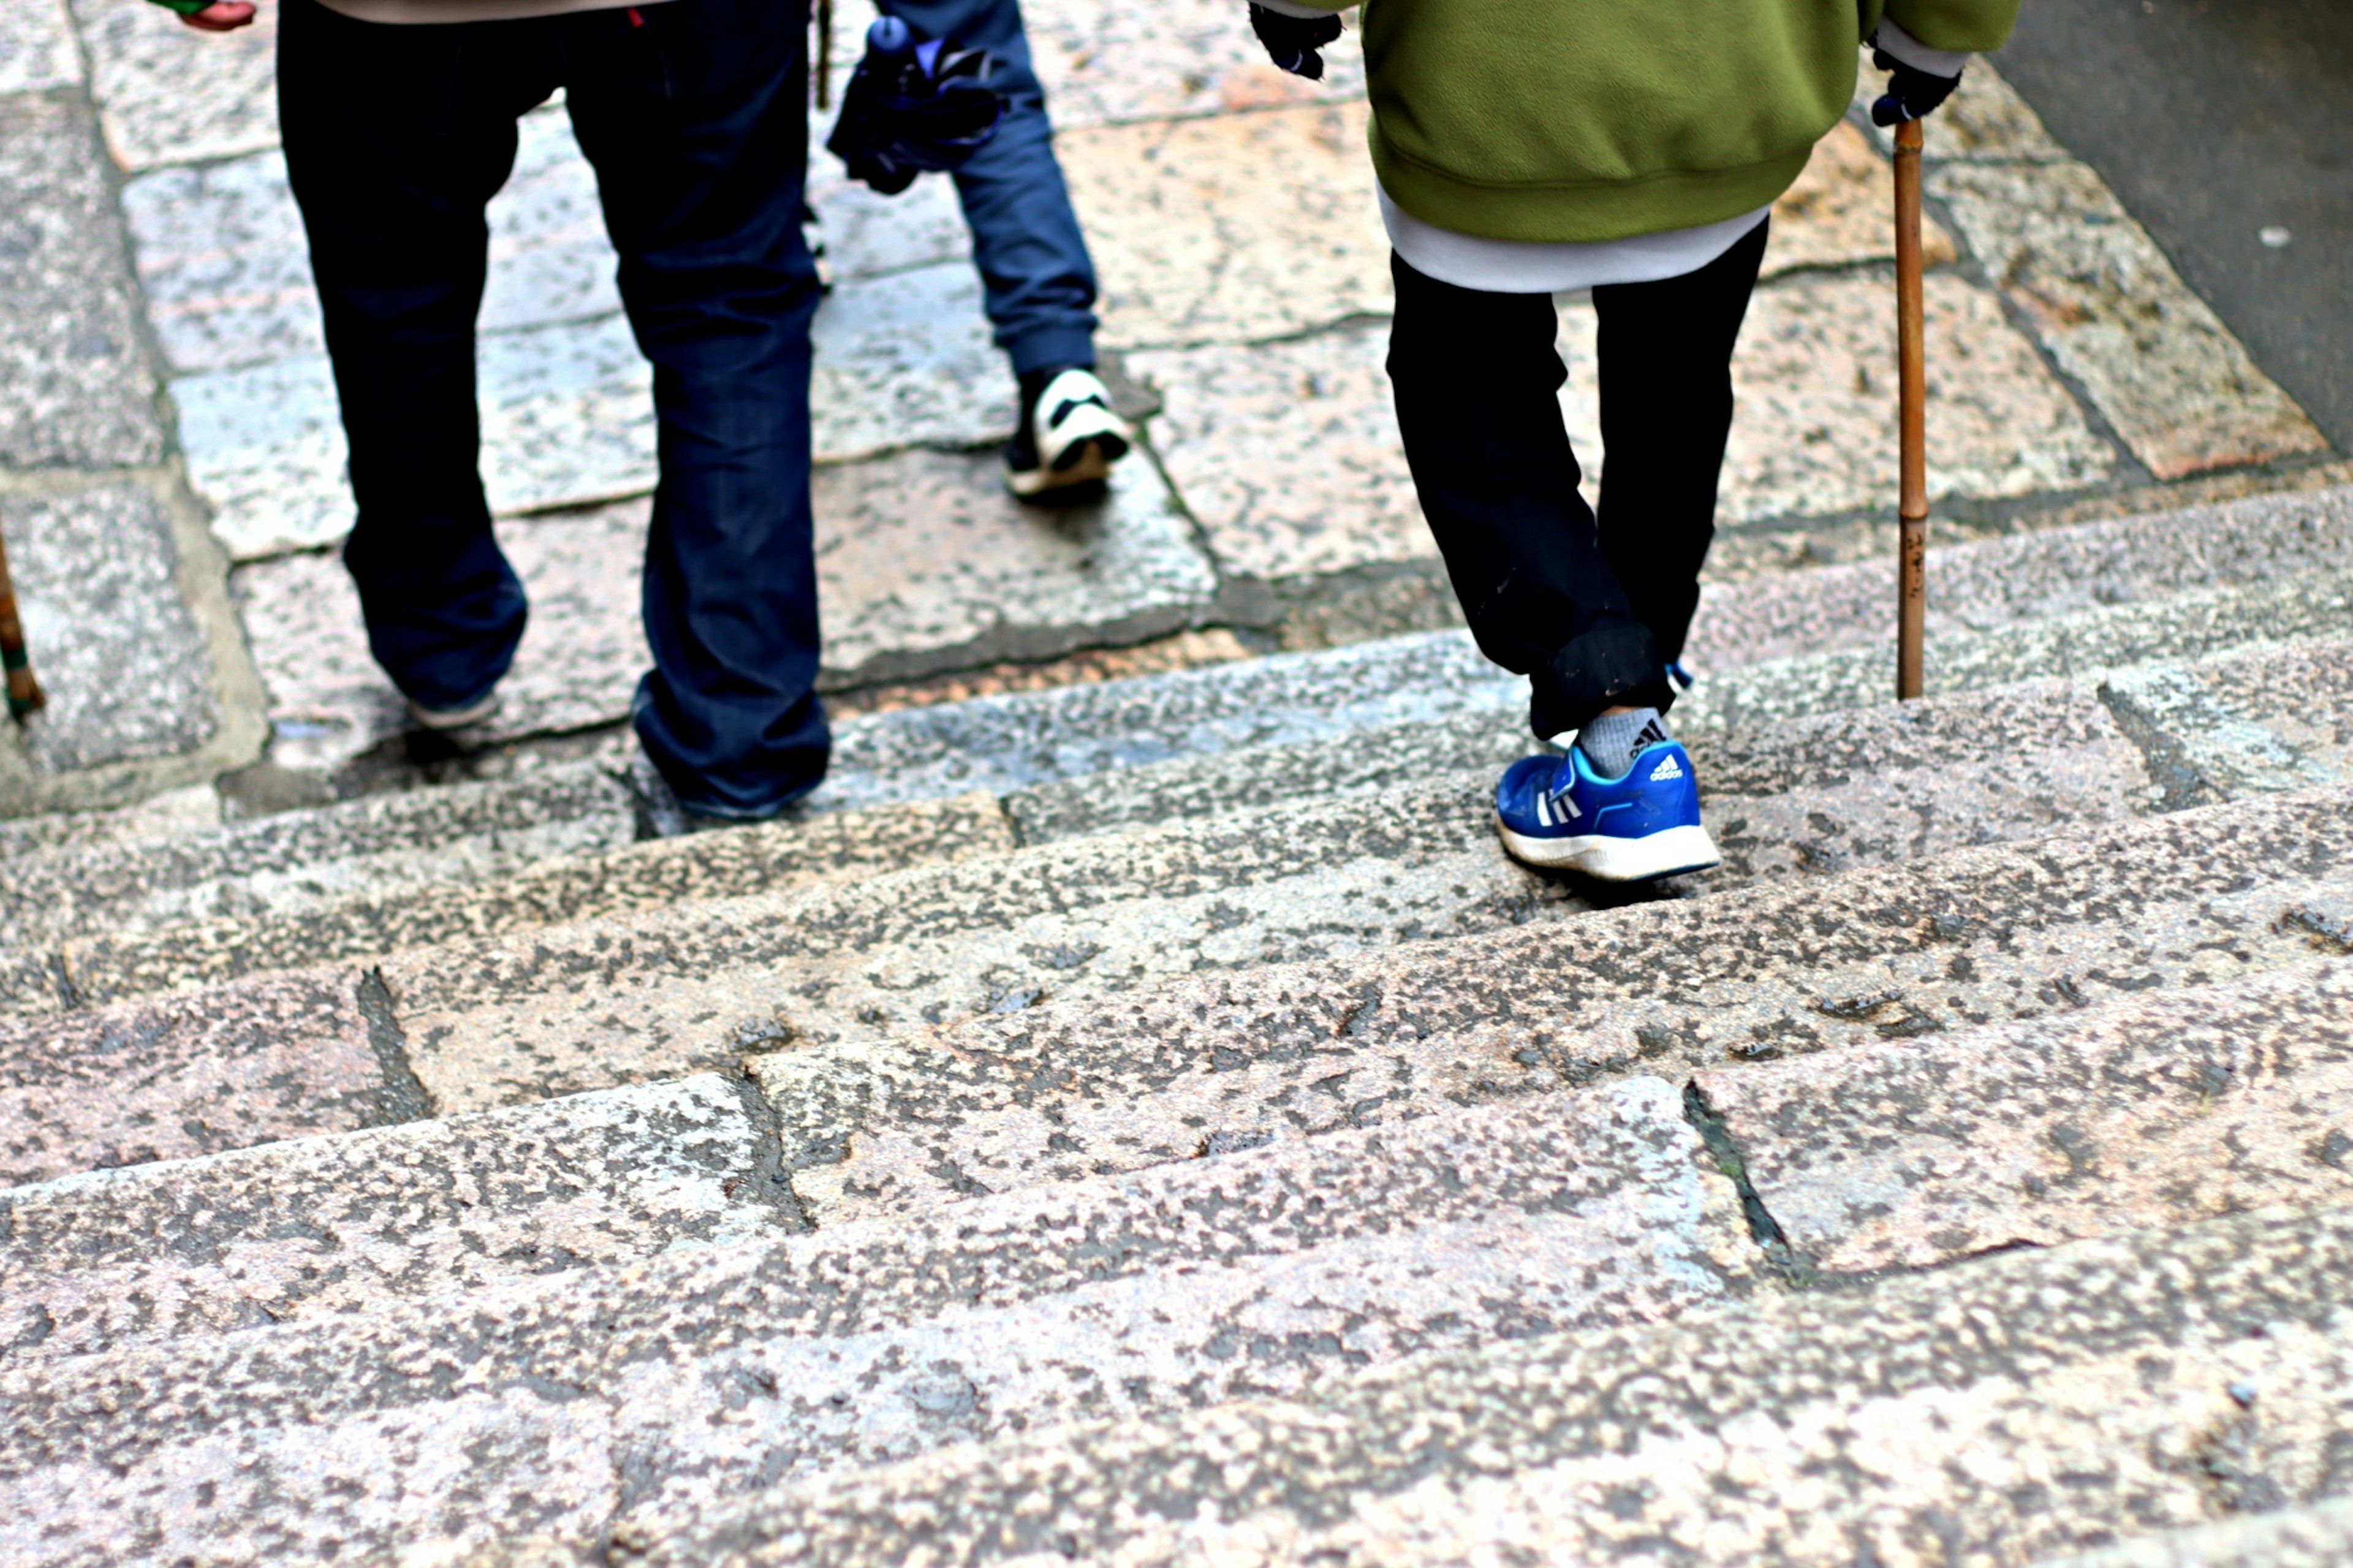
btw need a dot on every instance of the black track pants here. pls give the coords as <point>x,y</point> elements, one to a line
<point>1590,611</point>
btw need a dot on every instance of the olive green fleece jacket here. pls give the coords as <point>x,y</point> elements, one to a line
<point>1595,120</point>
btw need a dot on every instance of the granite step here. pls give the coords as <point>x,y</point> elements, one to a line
<point>312,1228</point>
<point>554,1403</point>
<point>445,839</point>
<point>1762,700</point>
<point>2157,1110</point>
<point>2319,1535</point>
<point>1267,1273</point>
<point>581,1007</point>
<point>659,995</point>
<point>1908,952</point>
<point>2012,1407</point>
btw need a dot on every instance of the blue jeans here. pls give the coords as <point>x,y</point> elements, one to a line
<point>692,113</point>
<point>1038,285</point>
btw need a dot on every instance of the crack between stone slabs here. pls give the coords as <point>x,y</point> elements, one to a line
<point>2180,785</point>
<point>400,1096</point>
<point>1793,1268</point>
<point>771,1176</point>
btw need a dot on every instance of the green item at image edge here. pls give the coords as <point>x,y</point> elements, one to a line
<point>185,7</point>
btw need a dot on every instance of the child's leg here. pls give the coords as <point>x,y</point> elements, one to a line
<point>1477,381</point>
<point>1666,410</point>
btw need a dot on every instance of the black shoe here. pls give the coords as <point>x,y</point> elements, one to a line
<point>1068,434</point>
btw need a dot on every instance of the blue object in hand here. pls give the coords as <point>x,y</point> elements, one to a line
<point>912,106</point>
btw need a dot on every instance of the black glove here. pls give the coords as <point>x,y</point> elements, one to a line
<point>1291,41</point>
<point>912,106</point>
<point>1912,93</point>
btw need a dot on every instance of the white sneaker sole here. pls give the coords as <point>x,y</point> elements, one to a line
<point>441,721</point>
<point>1091,466</point>
<point>1666,853</point>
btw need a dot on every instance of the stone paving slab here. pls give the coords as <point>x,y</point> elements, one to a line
<point>169,1078</point>
<point>578,664</point>
<point>1230,229</point>
<point>127,669</point>
<point>567,413</point>
<point>766,857</point>
<point>2156,361</point>
<point>227,272</point>
<point>1998,1411</point>
<point>1259,1270</point>
<point>37,48</point>
<point>169,95</point>
<point>2152,1112</point>
<point>923,564</point>
<point>1105,65</point>
<point>1840,211</point>
<point>79,392</point>
<point>1077,1087</point>
<point>322,1228</point>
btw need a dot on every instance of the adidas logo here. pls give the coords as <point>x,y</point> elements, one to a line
<point>1668,768</point>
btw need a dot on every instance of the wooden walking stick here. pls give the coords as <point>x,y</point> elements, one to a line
<point>1911,373</point>
<point>23,692</point>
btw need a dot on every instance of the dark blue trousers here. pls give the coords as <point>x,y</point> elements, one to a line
<point>693,114</point>
<point>1038,285</point>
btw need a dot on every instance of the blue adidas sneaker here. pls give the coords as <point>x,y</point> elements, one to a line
<point>1553,811</point>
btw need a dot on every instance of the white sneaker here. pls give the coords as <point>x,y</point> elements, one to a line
<point>1069,435</point>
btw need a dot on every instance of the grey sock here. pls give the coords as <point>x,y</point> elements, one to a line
<point>1610,740</point>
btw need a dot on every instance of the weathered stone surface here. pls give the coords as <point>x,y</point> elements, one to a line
<point>74,388</point>
<point>2153,1112</point>
<point>2201,747</point>
<point>2001,1410</point>
<point>181,1075</point>
<point>125,666</point>
<point>1231,229</point>
<point>304,861</point>
<point>868,235</point>
<point>1963,939</point>
<point>2085,646</point>
<point>1009,743</point>
<point>2311,1537</point>
<point>264,448</point>
<point>1991,583</point>
<point>1815,379</point>
<point>925,563</point>
<point>1272,1269</point>
<point>1103,65</point>
<point>37,48</point>
<point>905,360</point>
<point>167,95</point>
<point>580,659</point>
<point>2160,365</point>
<point>764,858</point>
<point>1334,494</point>
<point>1840,211</point>
<point>173,812</point>
<point>318,1227</point>
<point>225,266</point>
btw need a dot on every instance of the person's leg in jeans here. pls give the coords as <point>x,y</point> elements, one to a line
<point>1038,284</point>
<point>1477,382</point>
<point>395,139</point>
<point>1666,413</point>
<point>692,112</point>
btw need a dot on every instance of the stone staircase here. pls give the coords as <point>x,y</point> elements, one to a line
<point>1151,1122</point>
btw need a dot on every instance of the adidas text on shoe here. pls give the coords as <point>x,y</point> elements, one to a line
<point>1553,812</point>
<point>1069,435</point>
